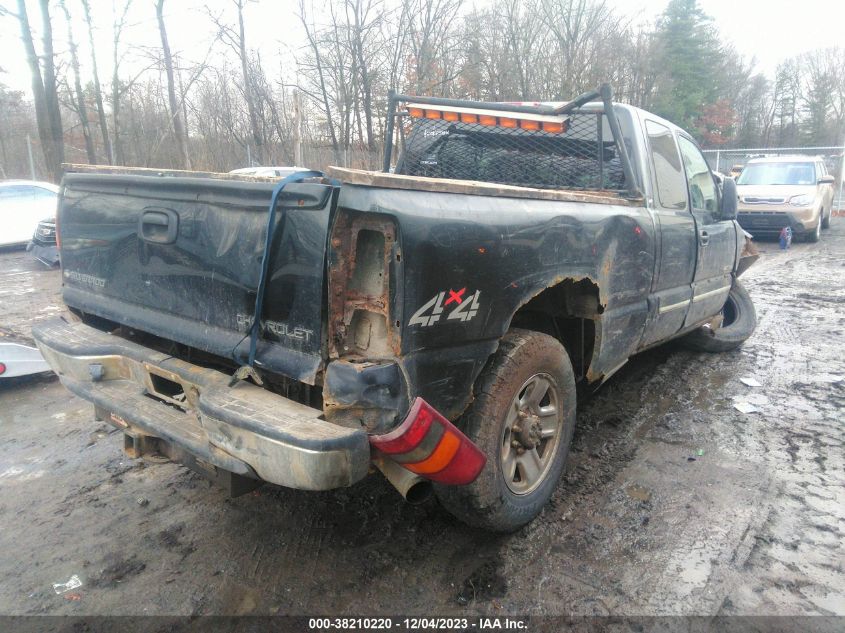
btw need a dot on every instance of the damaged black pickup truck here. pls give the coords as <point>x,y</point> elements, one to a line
<point>436,319</point>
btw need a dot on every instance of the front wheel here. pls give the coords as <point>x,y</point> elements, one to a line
<point>816,234</point>
<point>826,218</point>
<point>523,417</point>
<point>738,321</point>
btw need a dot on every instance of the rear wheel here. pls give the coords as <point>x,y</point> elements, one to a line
<point>523,417</point>
<point>738,321</point>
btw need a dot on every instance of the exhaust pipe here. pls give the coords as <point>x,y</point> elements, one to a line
<point>413,488</point>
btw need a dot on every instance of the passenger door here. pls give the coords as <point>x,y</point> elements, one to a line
<point>716,238</point>
<point>671,290</point>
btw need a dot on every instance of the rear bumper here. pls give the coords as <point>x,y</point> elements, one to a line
<point>241,429</point>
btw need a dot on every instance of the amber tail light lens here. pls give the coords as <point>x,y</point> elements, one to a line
<point>429,445</point>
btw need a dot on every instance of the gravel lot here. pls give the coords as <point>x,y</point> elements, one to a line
<point>674,502</point>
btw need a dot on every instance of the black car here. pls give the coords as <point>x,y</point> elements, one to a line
<point>43,244</point>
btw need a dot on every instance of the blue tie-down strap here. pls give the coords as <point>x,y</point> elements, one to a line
<point>248,370</point>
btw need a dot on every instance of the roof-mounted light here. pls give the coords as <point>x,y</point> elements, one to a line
<point>529,122</point>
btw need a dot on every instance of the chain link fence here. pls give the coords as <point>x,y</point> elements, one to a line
<point>727,161</point>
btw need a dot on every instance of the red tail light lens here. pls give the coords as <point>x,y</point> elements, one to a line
<point>428,444</point>
<point>2,368</point>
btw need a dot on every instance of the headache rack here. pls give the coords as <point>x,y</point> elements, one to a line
<point>538,146</point>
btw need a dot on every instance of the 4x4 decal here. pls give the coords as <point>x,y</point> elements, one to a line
<point>432,310</point>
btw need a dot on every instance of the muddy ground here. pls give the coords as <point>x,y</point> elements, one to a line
<point>674,502</point>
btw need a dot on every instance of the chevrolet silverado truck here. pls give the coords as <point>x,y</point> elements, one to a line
<point>436,320</point>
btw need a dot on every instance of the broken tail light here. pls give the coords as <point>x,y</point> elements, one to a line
<point>429,445</point>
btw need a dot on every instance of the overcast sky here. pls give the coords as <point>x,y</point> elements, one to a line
<point>768,30</point>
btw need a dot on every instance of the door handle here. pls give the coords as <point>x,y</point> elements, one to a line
<point>704,238</point>
<point>159,226</point>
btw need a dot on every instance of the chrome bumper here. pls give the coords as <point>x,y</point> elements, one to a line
<point>241,429</point>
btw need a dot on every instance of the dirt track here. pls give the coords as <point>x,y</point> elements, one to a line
<point>673,502</point>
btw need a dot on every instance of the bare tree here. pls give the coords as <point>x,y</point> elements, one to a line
<point>51,93</point>
<point>578,26</point>
<point>81,108</point>
<point>98,91</point>
<point>175,108</point>
<point>117,88</point>
<point>365,21</point>
<point>525,42</point>
<point>432,45</point>
<point>51,143</point>
<point>236,40</point>
<point>354,52</point>
<point>317,66</point>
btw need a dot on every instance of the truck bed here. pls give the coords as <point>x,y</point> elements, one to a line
<point>473,187</point>
<point>82,168</point>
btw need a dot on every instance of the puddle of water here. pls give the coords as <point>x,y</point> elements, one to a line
<point>16,473</point>
<point>12,471</point>
<point>638,492</point>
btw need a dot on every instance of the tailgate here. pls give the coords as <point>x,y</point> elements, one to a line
<point>180,257</point>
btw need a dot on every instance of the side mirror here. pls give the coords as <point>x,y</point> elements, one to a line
<point>827,180</point>
<point>729,199</point>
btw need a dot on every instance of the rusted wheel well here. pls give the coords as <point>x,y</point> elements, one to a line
<point>567,311</point>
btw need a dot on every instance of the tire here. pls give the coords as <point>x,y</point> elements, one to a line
<point>826,219</point>
<point>526,362</point>
<point>739,322</point>
<point>814,235</point>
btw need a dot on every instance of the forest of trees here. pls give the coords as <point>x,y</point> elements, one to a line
<point>158,109</point>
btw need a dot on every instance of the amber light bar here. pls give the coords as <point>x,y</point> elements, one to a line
<point>553,125</point>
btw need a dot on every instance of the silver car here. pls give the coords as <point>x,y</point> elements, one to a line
<point>785,191</point>
<point>272,172</point>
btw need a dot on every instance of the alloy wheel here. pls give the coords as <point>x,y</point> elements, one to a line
<point>532,430</point>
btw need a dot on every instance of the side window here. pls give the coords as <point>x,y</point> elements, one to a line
<point>671,184</point>
<point>702,188</point>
